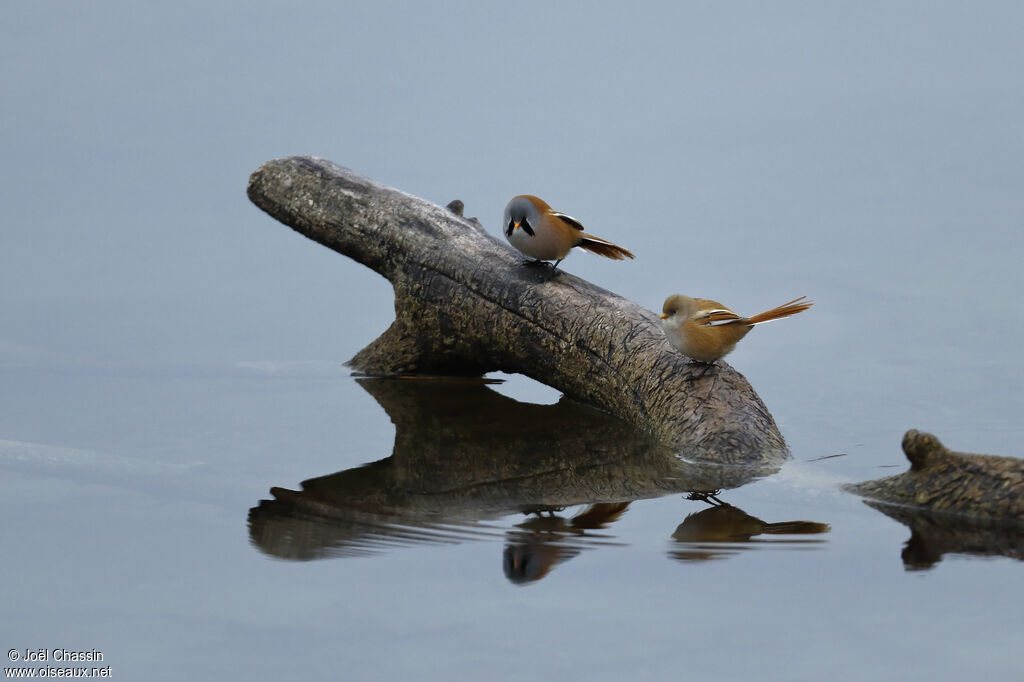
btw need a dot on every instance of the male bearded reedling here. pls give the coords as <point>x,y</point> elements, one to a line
<point>543,234</point>
<point>706,330</point>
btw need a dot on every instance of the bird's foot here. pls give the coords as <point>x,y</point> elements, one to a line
<point>711,497</point>
<point>705,368</point>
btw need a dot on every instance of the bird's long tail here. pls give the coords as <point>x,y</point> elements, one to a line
<point>603,247</point>
<point>785,310</point>
<point>795,528</point>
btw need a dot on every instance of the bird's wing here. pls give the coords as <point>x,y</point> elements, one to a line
<point>715,316</point>
<point>568,219</point>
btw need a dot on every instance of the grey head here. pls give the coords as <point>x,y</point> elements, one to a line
<point>522,211</point>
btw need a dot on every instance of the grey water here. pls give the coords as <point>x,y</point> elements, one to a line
<point>169,354</point>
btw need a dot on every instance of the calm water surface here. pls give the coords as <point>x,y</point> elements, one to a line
<point>169,354</point>
<point>171,557</point>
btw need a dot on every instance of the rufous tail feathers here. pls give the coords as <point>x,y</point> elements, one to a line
<point>785,310</point>
<point>603,247</point>
<point>795,528</point>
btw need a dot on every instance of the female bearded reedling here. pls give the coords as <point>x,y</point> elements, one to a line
<point>543,234</point>
<point>706,330</point>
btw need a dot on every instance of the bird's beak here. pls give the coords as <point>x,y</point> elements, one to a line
<point>515,226</point>
<point>664,316</point>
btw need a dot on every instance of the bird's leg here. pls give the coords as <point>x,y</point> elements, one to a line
<point>707,368</point>
<point>707,496</point>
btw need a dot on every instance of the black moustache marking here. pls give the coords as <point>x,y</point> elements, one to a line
<point>526,227</point>
<point>510,228</point>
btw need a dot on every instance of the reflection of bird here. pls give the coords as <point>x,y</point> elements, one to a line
<point>726,523</point>
<point>599,515</point>
<point>542,542</point>
<point>525,562</point>
<point>706,330</point>
<point>543,234</point>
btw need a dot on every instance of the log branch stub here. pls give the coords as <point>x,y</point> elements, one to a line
<point>467,304</point>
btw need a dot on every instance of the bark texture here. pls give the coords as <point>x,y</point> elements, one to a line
<point>466,304</point>
<point>984,488</point>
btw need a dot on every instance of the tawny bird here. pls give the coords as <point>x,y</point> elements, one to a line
<point>706,330</point>
<point>543,234</point>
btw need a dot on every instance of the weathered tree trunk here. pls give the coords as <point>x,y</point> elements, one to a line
<point>465,304</point>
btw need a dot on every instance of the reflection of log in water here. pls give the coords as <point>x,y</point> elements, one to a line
<point>464,454</point>
<point>723,529</point>
<point>934,535</point>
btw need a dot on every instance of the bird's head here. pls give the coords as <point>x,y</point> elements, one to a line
<point>523,213</point>
<point>676,310</point>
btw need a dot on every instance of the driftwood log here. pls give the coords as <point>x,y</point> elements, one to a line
<point>977,488</point>
<point>466,304</point>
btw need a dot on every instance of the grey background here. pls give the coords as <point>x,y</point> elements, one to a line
<point>168,352</point>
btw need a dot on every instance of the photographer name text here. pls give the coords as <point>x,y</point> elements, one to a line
<point>56,655</point>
